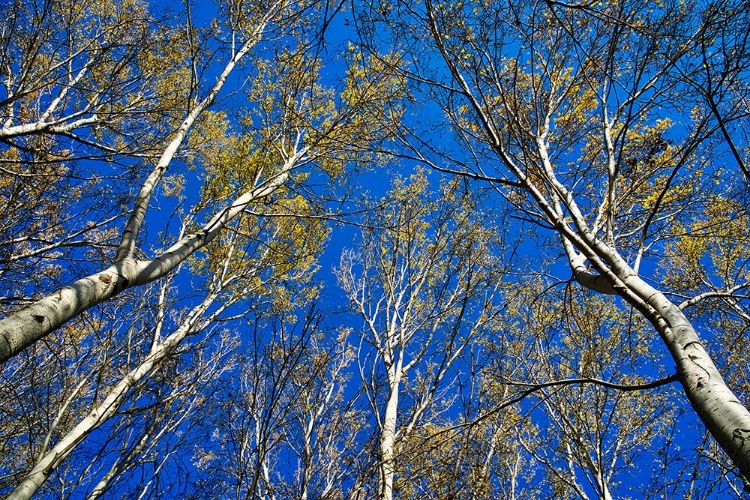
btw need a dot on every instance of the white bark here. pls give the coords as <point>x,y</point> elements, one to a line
<point>31,324</point>
<point>46,123</point>
<point>108,407</point>
<point>412,292</point>
<point>719,409</point>
<point>159,426</point>
<point>725,417</point>
<point>23,328</point>
<point>388,440</point>
<point>133,227</point>
<point>105,483</point>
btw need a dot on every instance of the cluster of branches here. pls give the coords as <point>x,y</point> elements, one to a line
<point>549,299</point>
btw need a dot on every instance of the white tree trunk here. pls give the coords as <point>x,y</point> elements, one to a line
<point>723,414</point>
<point>107,408</point>
<point>725,417</point>
<point>33,323</point>
<point>388,441</point>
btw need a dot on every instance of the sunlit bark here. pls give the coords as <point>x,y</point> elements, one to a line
<point>425,287</point>
<point>558,107</point>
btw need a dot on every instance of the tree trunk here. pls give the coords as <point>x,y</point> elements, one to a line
<point>388,441</point>
<point>725,417</point>
<point>25,327</point>
<point>106,409</point>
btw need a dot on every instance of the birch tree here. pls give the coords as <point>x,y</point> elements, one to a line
<point>24,327</point>
<point>288,126</point>
<point>325,431</point>
<point>252,263</point>
<point>244,232</point>
<point>595,121</point>
<point>79,75</point>
<point>79,81</point>
<point>248,248</point>
<point>424,283</point>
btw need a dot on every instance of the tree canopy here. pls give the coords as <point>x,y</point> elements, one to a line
<point>380,249</point>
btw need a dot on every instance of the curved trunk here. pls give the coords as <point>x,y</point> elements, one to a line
<point>725,417</point>
<point>25,327</point>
